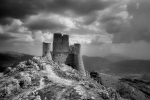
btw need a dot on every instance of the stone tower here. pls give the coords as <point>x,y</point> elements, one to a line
<point>70,55</point>
<point>57,42</point>
<point>60,47</point>
<point>46,50</point>
<point>74,59</point>
<point>65,43</point>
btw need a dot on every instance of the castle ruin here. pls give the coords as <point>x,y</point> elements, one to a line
<point>63,53</point>
<point>46,49</point>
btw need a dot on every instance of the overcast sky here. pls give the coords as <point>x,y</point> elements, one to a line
<point>102,27</point>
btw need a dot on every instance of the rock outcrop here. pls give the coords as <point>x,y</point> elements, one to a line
<point>127,88</point>
<point>43,79</point>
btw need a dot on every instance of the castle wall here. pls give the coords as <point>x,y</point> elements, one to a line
<point>60,43</point>
<point>74,59</point>
<point>57,42</point>
<point>57,46</point>
<point>65,43</point>
<point>62,53</point>
<point>65,38</point>
<point>57,37</point>
<point>70,60</point>
<point>59,57</point>
<point>77,48</point>
<point>60,47</point>
<point>46,49</point>
<point>76,62</point>
<point>71,49</point>
<point>79,64</point>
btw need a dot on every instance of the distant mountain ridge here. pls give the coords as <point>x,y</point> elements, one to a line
<point>95,63</point>
<point>9,58</point>
<point>118,68</point>
<point>130,67</point>
<point>117,57</point>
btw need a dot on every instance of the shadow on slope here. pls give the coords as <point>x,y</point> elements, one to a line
<point>95,63</point>
<point>130,90</point>
<point>10,59</point>
<point>130,67</point>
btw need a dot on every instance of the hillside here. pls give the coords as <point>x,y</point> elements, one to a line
<point>117,68</point>
<point>127,88</point>
<point>117,57</point>
<point>95,63</point>
<point>43,79</point>
<point>9,58</point>
<point>145,77</point>
<point>130,67</point>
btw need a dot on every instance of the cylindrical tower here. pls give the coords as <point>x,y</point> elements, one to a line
<point>79,65</point>
<point>71,49</point>
<point>46,49</point>
<point>77,48</point>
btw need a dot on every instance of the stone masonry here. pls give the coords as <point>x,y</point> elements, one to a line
<point>63,53</point>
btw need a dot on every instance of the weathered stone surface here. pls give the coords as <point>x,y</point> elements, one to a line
<point>53,82</point>
<point>46,49</point>
<point>59,57</point>
<point>62,53</point>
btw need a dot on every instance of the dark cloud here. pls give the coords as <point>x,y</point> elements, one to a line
<point>82,7</point>
<point>82,31</point>
<point>45,24</point>
<point>112,27</point>
<point>112,23</point>
<point>134,27</point>
<point>6,37</point>
<point>6,21</point>
<point>18,9</point>
<point>140,22</point>
<point>23,8</point>
<point>108,18</point>
<point>119,27</point>
<point>88,20</point>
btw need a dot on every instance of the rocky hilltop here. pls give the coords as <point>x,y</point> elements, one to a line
<point>43,79</point>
